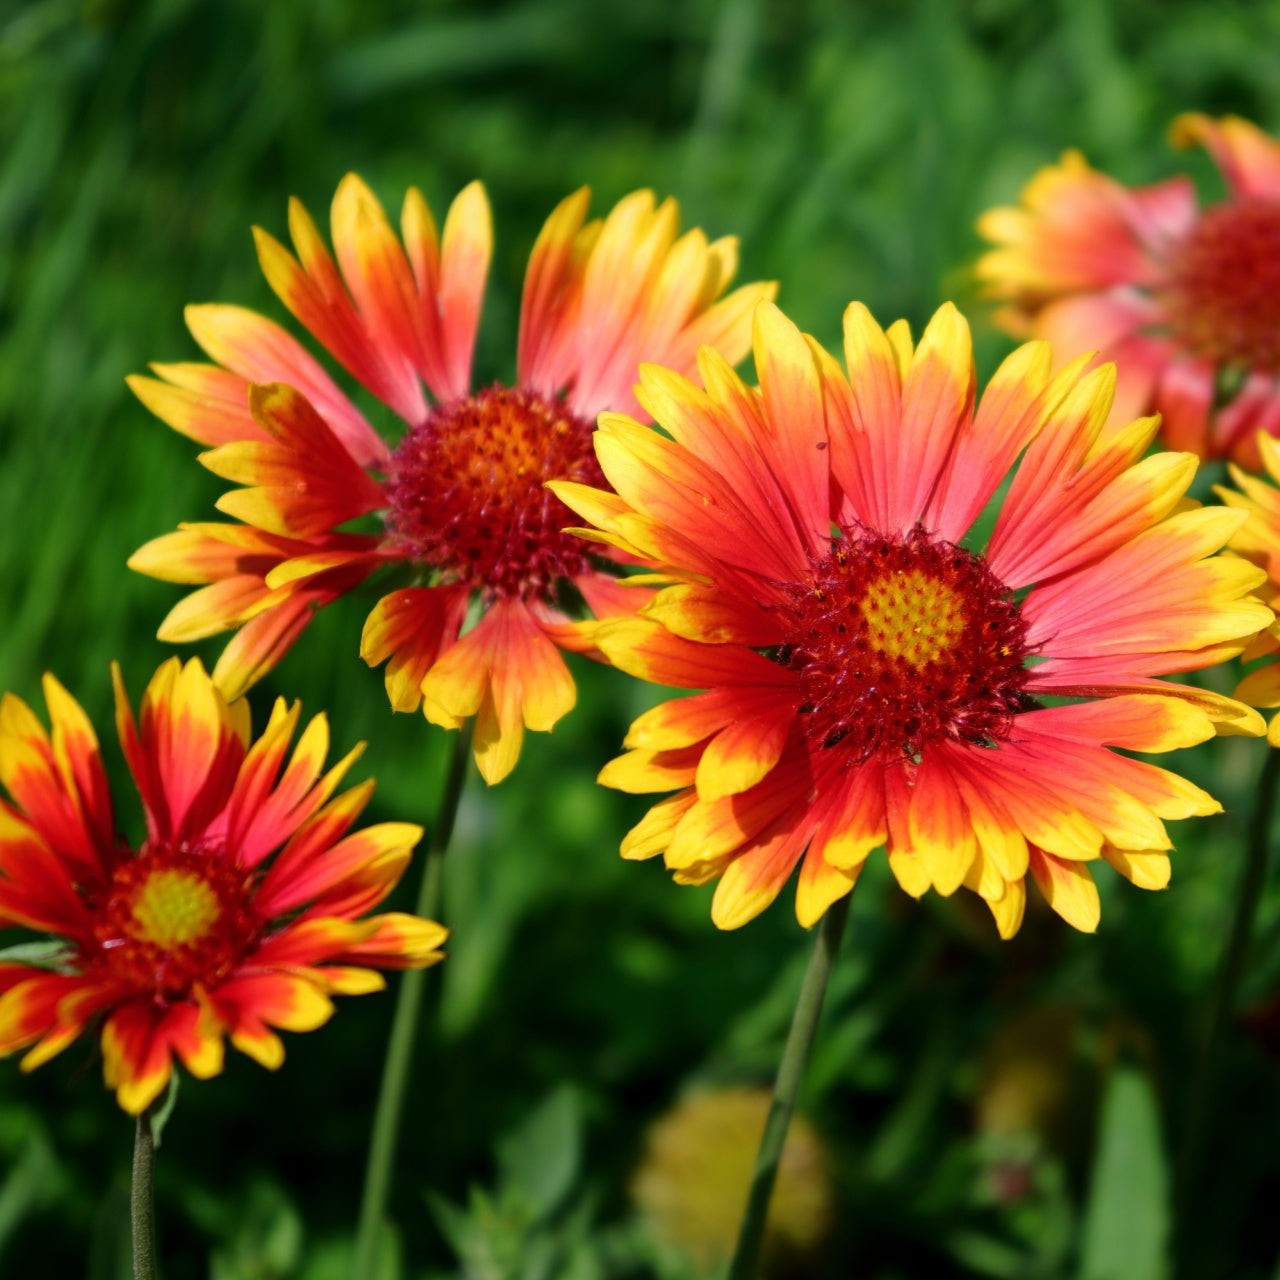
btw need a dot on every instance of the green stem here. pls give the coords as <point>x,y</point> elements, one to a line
<point>404,1027</point>
<point>1226,989</point>
<point>142,1200</point>
<point>746,1257</point>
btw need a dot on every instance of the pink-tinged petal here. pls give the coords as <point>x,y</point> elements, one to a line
<point>377,274</point>
<point>1161,591</point>
<point>1001,843</point>
<point>1075,230</point>
<point>1059,473</point>
<point>667,482</point>
<point>1068,888</point>
<point>729,436</point>
<point>409,630</point>
<point>1248,157</point>
<point>548,287</point>
<point>262,642</point>
<point>201,401</point>
<point>136,1059</point>
<point>258,350</point>
<point>466,250</point>
<point>724,327</point>
<point>1008,416</point>
<point>312,289</point>
<point>652,653</point>
<point>754,878</point>
<point>1132,722</point>
<point>1081,323</point>
<point>1141,361</point>
<point>875,386</point>
<point>1253,412</point>
<point>304,482</point>
<point>743,753</point>
<point>937,404</point>
<point>622,269</point>
<point>793,406</point>
<point>1184,399</point>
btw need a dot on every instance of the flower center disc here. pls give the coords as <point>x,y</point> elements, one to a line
<point>902,642</point>
<point>1223,293</point>
<point>174,918</point>
<point>467,498</point>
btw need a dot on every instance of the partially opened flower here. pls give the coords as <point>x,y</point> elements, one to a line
<point>1186,301</point>
<point>242,909</point>
<point>876,670</point>
<point>463,510</point>
<point>1258,540</point>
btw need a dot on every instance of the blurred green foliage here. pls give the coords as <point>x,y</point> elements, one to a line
<point>850,145</point>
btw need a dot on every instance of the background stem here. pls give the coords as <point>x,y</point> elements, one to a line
<point>142,1200</point>
<point>404,1026</point>
<point>746,1257</point>
<point>1226,989</point>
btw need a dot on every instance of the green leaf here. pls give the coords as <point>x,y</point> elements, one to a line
<point>49,953</point>
<point>541,1158</point>
<point>1126,1225</point>
<point>164,1109</point>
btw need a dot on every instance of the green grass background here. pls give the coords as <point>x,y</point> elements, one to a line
<point>851,146</point>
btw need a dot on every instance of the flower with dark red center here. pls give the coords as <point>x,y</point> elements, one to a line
<point>242,909</point>
<point>873,674</point>
<point>1186,302</point>
<point>464,512</point>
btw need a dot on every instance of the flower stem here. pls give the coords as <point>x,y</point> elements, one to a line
<point>746,1257</point>
<point>404,1026</point>
<point>1225,991</point>
<point>142,1200</point>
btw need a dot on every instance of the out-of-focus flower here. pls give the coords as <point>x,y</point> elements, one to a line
<point>874,674</point>
<point>692,1182</point>
<point>242,909</point>
<point>463,510</point>
<point>1258,540</point>
<point>1185,301</point>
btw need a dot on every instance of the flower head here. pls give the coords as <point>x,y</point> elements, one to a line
<point>242,908</point>
<point>877,672</point>
<point>1258,540</point>
<point>1185,301</point>
<point>463,512</point>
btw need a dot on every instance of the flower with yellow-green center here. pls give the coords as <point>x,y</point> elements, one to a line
<point>242,910</point>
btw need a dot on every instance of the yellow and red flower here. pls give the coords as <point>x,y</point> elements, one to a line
<point>1185,301</point>
<point>242,908</point>
<point>461,498</point>
<point>1258,540</point>
<point>872,674</point>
